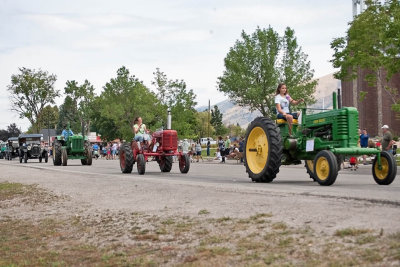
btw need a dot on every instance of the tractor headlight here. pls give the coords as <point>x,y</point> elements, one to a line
<point>29,147</point>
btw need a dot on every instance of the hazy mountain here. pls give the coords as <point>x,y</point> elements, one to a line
<point>233,114</point>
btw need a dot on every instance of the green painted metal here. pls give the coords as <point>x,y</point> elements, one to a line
<point>75,146</point>
<point>335,130</point>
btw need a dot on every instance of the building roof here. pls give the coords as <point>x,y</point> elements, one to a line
<point>48,132</point>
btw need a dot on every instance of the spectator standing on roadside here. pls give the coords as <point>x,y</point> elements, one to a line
<point>364,137</point>
<point>227,145</point>
<point>185,146</point>
<point>241,147</point>
<point>387,140</point>
<point>208,147</point>
<point>114,150</point>
<point>221,147</point>
<point>198,151</point>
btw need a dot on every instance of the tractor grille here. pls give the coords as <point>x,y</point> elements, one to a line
<point>77,143</point>
<point>342,124</point>
<point>169,140</point>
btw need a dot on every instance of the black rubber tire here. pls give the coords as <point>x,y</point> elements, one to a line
<point>274,157</point>
<point>184,163</point>
<point>46,157</point>
<point>389,173</point>
<point>57,160</point>
<point>141,164</point>
<point>40,159</point>
<point>310,169</point>
<point>330,164</point>
<point>64,157</point>
<point>126,158</point>
<point>166,163</point>
<point>25,157</point>
<point>20,159</point>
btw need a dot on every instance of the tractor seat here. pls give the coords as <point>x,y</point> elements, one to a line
<point>282,121</point>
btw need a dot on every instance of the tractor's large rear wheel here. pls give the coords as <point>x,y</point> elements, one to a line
<point>141,164</point>
<point>309,164</point>
<point>184,163</point>
<point>126,158</point>
<point>165,163</point>
<point>262,150</point>
<point>57,153</point>
<point>325,167</point>
<point>387,173</point>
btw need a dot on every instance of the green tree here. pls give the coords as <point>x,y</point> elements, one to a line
<point>48,118</point>
<point>372,43</point>
<point>78,105</point>
<point>30,91</point>
<point>12,131</point>
<point>205,129</point>
<point>258,63</point>
<point>216,121</point>
<point>123,99</point>
<point>174,94</point>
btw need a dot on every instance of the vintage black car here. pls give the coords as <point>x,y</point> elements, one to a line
<point>30,147</point>
<point>12,148</point>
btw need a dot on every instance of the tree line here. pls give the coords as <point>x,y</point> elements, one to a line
<point>253,68</point>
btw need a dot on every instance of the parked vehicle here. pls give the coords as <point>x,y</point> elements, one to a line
<point>30,147</point>
<point>203,141</point>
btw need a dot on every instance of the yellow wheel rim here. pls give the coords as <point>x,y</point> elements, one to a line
<point>322,168</point>
<point>257,150</point>
<point>382,174</point>
<point>310,165</point>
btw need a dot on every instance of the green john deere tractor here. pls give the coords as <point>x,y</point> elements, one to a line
<point>320,139</point>
<point>69,146</point>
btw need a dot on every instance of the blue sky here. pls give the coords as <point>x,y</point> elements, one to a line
<point>78,40</point>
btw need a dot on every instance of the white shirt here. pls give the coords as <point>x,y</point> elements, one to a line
<point>283,101</point>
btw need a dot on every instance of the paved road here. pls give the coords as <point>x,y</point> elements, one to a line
<point>223,189</point>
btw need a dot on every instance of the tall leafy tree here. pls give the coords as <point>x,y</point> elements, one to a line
<point>124,98</point>
<point>175,95</point>
<point>30,91</point>
<point>372,43</point>
<point>48,118</point>
<point>257,63</point>
<point>216,121</point>
<point>205,129</point>
<point>11,131</point>
<point>78,105</point>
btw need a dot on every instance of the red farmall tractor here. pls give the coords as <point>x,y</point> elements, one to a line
<point>163,146</point>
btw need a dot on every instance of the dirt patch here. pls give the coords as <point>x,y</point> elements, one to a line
<point>80,235</point>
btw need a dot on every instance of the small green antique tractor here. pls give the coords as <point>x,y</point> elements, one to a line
<point>320,139</point>
<point>71,147</point>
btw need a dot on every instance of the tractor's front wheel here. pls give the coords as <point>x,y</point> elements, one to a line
<point>126,158</point>
<point>387,173</point>
<point>325,167</point>
<point>165,163</point>
<point>141,164</point>
<point>64,157</point>
<point>309,164</point>
<point>26,157</point>
<point>184,163</point>
<point>262,150</point>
